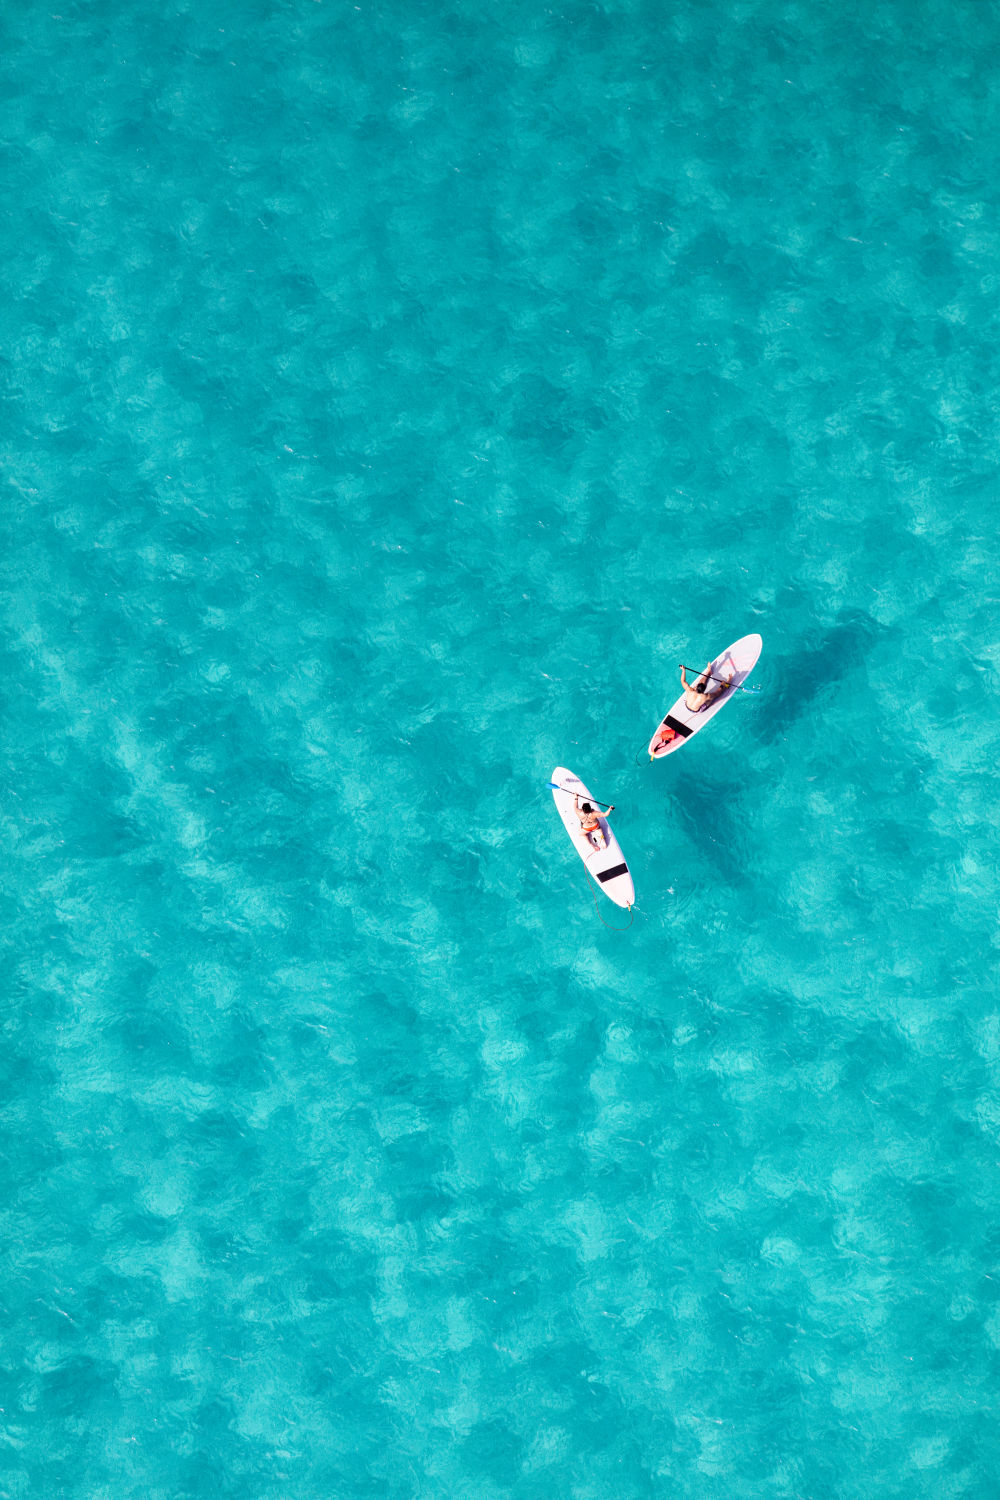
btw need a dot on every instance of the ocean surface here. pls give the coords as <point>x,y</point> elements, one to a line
<point>393,395</point>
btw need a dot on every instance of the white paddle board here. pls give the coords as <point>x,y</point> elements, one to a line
<point>607,865</point>
<point>733,665</point>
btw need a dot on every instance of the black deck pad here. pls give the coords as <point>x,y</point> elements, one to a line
<point>682,729</point>
<point>604,875</point>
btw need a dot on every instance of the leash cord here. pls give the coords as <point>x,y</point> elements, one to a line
<point>593,892</point>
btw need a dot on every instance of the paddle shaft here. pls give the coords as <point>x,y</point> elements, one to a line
<point>709,678</point>
<point>557,788</point>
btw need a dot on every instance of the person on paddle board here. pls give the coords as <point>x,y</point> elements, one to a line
<point>590,821</point>
<point>699,695</point>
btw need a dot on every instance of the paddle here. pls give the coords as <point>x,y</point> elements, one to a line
<point>557,788</point>
<point>708,676</point>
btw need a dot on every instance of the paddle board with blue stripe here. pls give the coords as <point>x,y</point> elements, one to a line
<point>608,865</point>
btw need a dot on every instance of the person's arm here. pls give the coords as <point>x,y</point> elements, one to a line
<point>684,677</point>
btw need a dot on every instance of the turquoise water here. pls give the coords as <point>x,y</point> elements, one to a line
<point>393,395</point>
